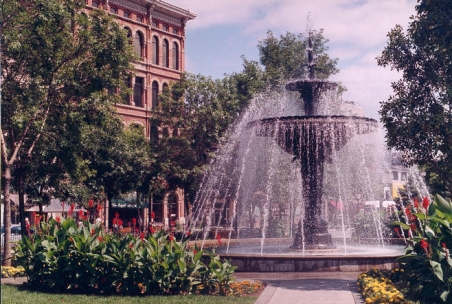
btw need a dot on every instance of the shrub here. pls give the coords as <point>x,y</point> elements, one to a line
<point>65,257</point>
<point>427,258</point>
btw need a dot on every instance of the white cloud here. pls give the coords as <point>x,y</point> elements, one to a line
<point>356,29</point>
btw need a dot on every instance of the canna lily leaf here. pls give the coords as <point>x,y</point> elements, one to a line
<point>443,207</point>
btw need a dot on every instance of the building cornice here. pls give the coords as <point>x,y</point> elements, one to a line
<point>158,9</point>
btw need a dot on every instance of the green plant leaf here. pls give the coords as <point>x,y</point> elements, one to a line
<point>437,270</point>
<point>443,207</point>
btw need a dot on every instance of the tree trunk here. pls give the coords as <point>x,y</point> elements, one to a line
<point>22,203</point>
<point>7,217</point>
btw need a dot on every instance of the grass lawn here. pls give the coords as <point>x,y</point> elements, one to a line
<point>12,294</point>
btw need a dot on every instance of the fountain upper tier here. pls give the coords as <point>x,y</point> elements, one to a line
<point>327,134</point>
<point>311,91</point>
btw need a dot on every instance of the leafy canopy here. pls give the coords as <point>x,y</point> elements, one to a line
<point>418,116</point>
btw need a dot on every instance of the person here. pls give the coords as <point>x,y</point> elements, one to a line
<point>27,226</point>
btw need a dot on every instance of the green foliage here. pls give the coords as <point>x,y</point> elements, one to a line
<point>193,116</point>
<point>373,223</point>
<point>417,116</point>
<point>286,58</point>
<point>428,260</point>
<point>83,259</point>
<point>58,63</point>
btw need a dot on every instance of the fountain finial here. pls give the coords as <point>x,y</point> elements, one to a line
<point>309,23</point>
<point>310,49</point>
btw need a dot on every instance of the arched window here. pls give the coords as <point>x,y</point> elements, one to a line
<point>113,10</point>
<point>155,93</point>
<point>138,44</point>
<point>127,14</point>
<point>175,56</point>
<point>155,50</point>
<point>138,92</point>
<point>95,4</point>
<point>165,54</point>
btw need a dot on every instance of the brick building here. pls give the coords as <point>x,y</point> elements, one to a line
<point>157,30</point>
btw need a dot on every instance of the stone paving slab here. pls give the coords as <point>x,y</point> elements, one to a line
<point>306,287</point>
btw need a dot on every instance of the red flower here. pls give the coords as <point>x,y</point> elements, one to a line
<point>413,226</point>
<point>397,231</point>
<point>90,203</point>
<point>80,213</point>
<point>71,239</point>
<point>194,251</point>
<point>99,207</point>
<point>444,246</point>
<point>114,221</point>
<point>119,222</point>
<point>92,231</point>
<point>416,202</point>
<point>72,208</point>
<point>99,238</point>
<point>425,202</point>
<point>131,246</point>
<point>134,221</point>
<point>142,235</point>
<point>407,211</point>
<point>424,244</point>
<point>151,229</point>
<point>219,238</point>
<point>58,219</point>
<point>171,237</point>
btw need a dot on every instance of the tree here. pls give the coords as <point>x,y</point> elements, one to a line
<point>57,64</point>
<point>286,58</point>
<point>418,116</point>
<point>193,116</point>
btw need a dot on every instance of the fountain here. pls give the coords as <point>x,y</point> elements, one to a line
<point>311,139</point>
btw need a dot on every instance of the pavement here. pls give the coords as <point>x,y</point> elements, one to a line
<point>306,287</point>
<point>292,287</point>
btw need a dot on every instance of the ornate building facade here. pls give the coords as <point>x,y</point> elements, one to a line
<point>157,31</point>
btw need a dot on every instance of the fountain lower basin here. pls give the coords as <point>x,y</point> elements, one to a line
<point>277,256</point>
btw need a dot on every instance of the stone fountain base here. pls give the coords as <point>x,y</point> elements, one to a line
<point>284,263</point>
<point>280,257</point>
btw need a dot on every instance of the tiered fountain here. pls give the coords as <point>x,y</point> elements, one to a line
<point>311,140</point>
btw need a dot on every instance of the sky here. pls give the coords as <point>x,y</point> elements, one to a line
<point>225,30</point>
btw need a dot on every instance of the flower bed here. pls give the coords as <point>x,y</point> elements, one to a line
<point>12,272</point>
<point>382,286</point>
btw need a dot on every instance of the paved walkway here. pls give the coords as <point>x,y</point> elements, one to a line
<point>306,287</point>
<point>294,287</point>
